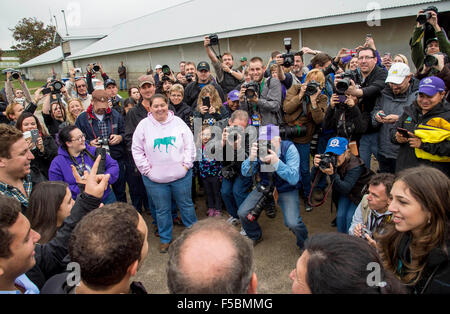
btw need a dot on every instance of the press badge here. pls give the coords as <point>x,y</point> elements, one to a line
<point>256,120</point>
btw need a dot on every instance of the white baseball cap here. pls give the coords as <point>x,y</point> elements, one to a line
<point>397,73</point>
<point>158,67</point>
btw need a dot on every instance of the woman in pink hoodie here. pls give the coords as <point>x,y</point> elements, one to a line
<point>164,152</point>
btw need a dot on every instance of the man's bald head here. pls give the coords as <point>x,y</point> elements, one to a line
<point>211,257</point>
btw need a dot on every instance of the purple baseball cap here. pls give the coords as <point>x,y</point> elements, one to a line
<point>268,132</point>
<point>233,95</point>
<point>431,86</point>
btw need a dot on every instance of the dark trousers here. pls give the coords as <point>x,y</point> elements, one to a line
<point>211,186</point>
<point>136,186</point>
<point>387,165</point>
<point>119,187</point>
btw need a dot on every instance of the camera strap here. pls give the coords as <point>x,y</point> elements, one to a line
<point>318,175</point>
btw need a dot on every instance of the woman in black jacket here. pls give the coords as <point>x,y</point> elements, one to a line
<point>181,109</point>
<point>416,247</point>
<point>44,148</point>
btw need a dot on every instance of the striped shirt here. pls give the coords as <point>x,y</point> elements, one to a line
<point>14,192</point>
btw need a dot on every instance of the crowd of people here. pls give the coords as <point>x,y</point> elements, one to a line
<point>258,138</point>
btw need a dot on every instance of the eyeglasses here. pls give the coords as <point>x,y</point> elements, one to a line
<point>80,138</point>
<point>365,58</point>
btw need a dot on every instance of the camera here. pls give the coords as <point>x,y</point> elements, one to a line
<point>312,88</point>
<point>57,86</point>
<point>15,75</point>
<point>234,132</point>
<point>189,77</point>
<point>326,160</point>
<point>252,89</point>
<point>213,40</point>
<point>290,132</point>
<point>344,83</point>
<point>288,57</point>
<point>264,200</point>
<point>430,61</point>
<point>422,18</point>
<point>263,148</point>
<point>96,67</point>
<point>229,172</point>
<point>103,141</point>
<point>166,70</point>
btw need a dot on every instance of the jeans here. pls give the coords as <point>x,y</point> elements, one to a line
<point>122,81</point>
<point>162,194</point>
<point>368,145</point>
<point>234,192</point>
<point>303,151</point>
<point>290,206</point>
<point>120,186</point>
<point>346,210</point>
<point>387,165</point>
<point>111,198</point>
<point>136,186</point>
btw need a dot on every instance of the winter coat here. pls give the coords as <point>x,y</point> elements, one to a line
<point>184,112</point>
<point>41,162</point>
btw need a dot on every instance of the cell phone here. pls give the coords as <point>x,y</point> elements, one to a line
<point>381,114</point>
<point>206,101</point>
<point>403,132</point>
<point>34,135</point>
<point>388,54</point>
<point>369,35</point>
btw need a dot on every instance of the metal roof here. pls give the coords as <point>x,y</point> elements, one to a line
<point>51,56</point>
<point>85,33</point>
<point>190,21</point>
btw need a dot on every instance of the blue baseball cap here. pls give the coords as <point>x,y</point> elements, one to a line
<point>431,86</point>
<point>337,145</point>
<point>233,95</point>
<point>268,132</point>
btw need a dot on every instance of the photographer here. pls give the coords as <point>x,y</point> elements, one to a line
<point>305,105</point>
<point>226,76</point>
<point>53,112</point>
<point>282,159</point>
<point>77,87</point>
<point>21,96</point>
<point>348,175</point>
<point>105,127</point>
<point>209,106</point>
<point>436,65</point>
<point>113,94</point>
<point>438,42</point>
<point>368,90</point>
<point>235,187</point>
<point>261,98</point>
<point>400,91</point>
<point>204,78</point>
<point>422,130</point>
<point>372,214</point>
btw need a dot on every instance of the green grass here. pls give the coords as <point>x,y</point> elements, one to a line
<point>32,85</point>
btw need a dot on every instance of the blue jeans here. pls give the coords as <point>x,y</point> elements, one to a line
<point>346,210</point>
<point>303,151</point>
<point>234,192</point>
<point>290,206</point>
<point>368,145</point>
<point>121,83</point>
<point>151,205</point>
<point>162,194</point>
<point>111,198</point>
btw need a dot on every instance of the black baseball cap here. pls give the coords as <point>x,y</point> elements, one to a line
<point>203,66</point>
<point>110,82</point>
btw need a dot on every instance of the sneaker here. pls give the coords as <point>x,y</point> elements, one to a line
<point>333,223</point>
<point>308,207</point>
<point>177,221</point>
<point>210,212</point>
<point>217,213</point>
<point>164,247</point>
<point>233,221</point>
<point>255,242</point>
<point>271,211</point>
<point>243,232</point>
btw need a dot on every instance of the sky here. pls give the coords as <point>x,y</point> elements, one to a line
<point>79,13</point>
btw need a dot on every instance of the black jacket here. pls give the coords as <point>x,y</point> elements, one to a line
<point>346,122</point>
<point>193,89</point>
<point>372,87</point>
<point>410,120</point>
<point>184,112</point>
<point>132,119</point>
<point>58,285</point>
<point>41,162</point>
<point>49,257</point>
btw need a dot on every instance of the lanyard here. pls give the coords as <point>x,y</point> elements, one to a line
<point>81,169</point>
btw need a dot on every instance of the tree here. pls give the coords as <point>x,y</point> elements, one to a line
<point>33,38</point>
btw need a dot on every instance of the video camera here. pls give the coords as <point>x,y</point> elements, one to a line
<point>344,82</point>
<point>288,56</point>
<point>252,89</point>
<point>326,160</point>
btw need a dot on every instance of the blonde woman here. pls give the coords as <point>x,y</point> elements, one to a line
<point>74,108</point>
<point>209,106</point>
<point>400,58</point>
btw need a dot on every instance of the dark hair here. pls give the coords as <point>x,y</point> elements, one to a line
<point>340,263</point>
<point>9,135</point>
<point>231,276</point>
<point>374,54</point>
<point>9,212</point>
<point>387,179</point>
<point>105,243</point>
<point>129,90</point>
<point>299,54</point>
<point>43,207</point>
<point>61,107</point>
<point>166,100</point>
<point>64,135</point>
<point>257,59</point>
<point>26,115</point>
<point>320,59</point>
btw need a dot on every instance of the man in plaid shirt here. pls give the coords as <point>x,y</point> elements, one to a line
<point>15,159</point>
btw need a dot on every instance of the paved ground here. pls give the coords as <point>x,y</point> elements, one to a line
<point>274,257</point>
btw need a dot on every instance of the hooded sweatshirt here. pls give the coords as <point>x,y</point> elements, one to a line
<point>162,150</point>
